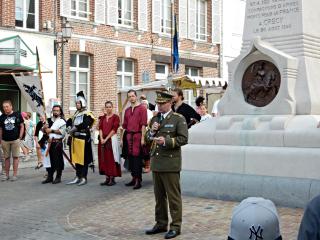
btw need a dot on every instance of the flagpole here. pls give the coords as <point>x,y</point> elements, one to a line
<point>41,84</point>
<point>172,34</point>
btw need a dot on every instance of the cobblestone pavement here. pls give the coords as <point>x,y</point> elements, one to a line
<point>30,210</point>
<point>127,215</point>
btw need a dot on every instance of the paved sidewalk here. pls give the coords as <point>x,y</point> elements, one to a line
<point>101,212</point>
<point>127,213</point>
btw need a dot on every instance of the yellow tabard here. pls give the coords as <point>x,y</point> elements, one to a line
<point>77,151</point>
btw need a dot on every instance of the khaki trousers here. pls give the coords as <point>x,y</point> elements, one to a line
<point>167,191</point>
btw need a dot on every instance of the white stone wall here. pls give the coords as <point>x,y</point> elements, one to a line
<point>233,14</point>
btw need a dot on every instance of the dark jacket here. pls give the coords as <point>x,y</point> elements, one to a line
<point>189,113</point>
<point>310,224</point>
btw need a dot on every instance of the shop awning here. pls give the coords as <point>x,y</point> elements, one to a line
<point>198,82</point>
<point>155,85</point>
<point>184,82</point>
<point>16,55</point>
<point>194,83</point>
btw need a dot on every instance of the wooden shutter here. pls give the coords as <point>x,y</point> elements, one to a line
<point>112,15</point>
<point>216,21</point>
<point>192,19</point>
<point>143,15</point>
<point>183,18</point>
<point>100,11</point>
<point>156,16</point>
<point>65,8</point>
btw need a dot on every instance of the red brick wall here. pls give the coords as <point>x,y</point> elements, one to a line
<point>104,53</point>
<point>1,13</point>
<point>47,11</point>
<point>7,13</point>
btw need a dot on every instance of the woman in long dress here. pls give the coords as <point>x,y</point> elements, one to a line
<point>107,155</point>
<point>28,142</point>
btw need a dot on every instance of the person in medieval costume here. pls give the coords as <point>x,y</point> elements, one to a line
<point>134,124</point>
<point>55,129</point>
<point>79,127</point>
<point>108,148</point>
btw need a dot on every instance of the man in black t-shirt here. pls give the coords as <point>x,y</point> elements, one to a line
<point>11,132</point>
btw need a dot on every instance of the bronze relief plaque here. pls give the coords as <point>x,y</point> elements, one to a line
<point>260,83</point>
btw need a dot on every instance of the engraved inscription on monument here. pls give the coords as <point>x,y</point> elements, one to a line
<point>271,16</point>
<point>261,83</point>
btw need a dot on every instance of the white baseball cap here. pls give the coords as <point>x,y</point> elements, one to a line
<point>255,219</point>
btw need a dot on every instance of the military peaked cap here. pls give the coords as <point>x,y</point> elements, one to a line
<point>163,97</point>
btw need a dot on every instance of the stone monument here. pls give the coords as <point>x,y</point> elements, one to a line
<point>266,142</point>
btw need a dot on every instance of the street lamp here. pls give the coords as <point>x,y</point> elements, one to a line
<point>66,31</point>
<point>62,38</point>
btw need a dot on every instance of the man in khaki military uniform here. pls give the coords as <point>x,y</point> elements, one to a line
<point>168,131</point>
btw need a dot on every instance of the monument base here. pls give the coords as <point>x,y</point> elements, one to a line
<point>234,157</point>
<point>283,191</point>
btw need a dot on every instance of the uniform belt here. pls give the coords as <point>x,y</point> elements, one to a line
<point>56,140</point>
<point>80,134</point>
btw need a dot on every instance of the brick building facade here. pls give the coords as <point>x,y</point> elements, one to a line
<point>119,43</point>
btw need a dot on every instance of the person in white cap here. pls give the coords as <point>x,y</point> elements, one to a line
<point>255,219</point>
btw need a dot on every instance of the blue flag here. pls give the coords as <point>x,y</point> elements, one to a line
<point>175,52</point>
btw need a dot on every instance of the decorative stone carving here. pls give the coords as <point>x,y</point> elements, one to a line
<point>261,83</point>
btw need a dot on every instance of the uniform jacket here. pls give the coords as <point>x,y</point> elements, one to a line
<point>174,129</point>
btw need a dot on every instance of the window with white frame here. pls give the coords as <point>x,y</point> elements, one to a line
<point>189,98</point>
<point>27,14</point>
<point>79,77</point>
<point>201,20</point>
<point>166,16</point>
<point>80,9</point>
<point>193,71</point>
<point>125,13</point>
<point>125,73</point>
<point>162,71</point>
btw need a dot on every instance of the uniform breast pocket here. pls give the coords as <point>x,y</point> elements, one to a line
<point>169,154</point>
<point>169,131</point>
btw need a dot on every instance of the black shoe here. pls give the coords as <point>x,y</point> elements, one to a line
<point>111,182</point>
<point>48,180</point>
<point>156,229</point>
<point>137,185</point>
<point>171,234</point>
<point>130,184</point>
<point>105,183</point>
<point>57,180</point>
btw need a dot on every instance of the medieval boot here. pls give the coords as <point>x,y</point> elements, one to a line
<point>111,182</point>
<point>137,184</point>
<point>132,183</point>
<point>106,181</point>
<point>47,180</point>
<point>58,178</point>
<point>74,181</point>
<point>83,181</point>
